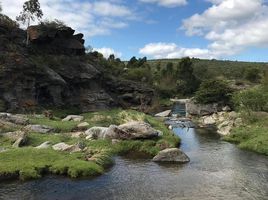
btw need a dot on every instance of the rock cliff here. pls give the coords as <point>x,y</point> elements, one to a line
<point>54,71</point>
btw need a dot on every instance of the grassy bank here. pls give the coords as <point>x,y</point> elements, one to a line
<point>253,135</point>
<point>28,162</point>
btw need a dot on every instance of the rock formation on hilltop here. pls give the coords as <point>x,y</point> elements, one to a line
<point>53,71</point>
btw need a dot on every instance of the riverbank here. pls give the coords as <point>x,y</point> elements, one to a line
<point>28,162</point>
<point>253,135</point>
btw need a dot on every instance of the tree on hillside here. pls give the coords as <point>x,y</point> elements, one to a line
<point>31,11</point>
<point>0,7</point>
<point>187,83</point>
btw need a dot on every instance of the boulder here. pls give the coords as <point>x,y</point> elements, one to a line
<point>62,147</point>
<point>96,133</point>
<point>193,108</point>
<point>115,141</point>
<point>75,134</point>
<point>14,135</point>
<point>44,145</point>
<point>22,140</point>
<point>209,120</point>
<point>2,149</point>
<point>114,132</point>
<point>16,119</point>
<point>171,155</point>
<point>163,114</point>
<point>40,128</point>
<point>83,125</point>
<point>76,118</point>
<point>138,130</point>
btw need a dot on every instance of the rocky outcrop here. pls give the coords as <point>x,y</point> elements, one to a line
<point>57,39</point>
<point>15,119</point>
<point>40,128</point>
<point>171,155</point>
<point>223,121</point>
<point>129,131</point>
<point>196,109</point>
<point>138,130</point>
<point>42,76</point>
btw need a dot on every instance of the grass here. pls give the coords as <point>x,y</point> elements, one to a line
<point>254,135</point>
<point>28,162</point>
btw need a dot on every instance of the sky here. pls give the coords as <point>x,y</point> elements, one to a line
<point>210,29</point>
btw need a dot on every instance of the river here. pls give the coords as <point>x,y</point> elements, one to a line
<point>217,170</point>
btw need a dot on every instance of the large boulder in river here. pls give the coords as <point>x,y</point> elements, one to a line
<point>171,155</point>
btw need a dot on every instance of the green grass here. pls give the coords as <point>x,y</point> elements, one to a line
<point>28,162</point>
<point>56,123</point>
<point>254,135</point>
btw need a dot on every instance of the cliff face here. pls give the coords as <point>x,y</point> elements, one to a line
<point>53,71</point>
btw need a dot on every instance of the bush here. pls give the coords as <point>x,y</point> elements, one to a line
<point>213,91</point>
<point>252,75</point>
<point>255,99</point>
<point>7,22</point>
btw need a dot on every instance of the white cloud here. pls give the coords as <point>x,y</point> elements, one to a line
<point>231,25</point>
<point>91,18</point>
<point>166,3</point>
<point>106,52</point>
<point>171,50</point>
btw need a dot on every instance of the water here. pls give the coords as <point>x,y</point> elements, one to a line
<point>217,170</point>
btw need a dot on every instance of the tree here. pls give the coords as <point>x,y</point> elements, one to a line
<point>213,91</point>
<point>0,7</point>
<point>187,83</point>
<point>31,11</point>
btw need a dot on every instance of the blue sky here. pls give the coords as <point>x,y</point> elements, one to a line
<point>221,29</point>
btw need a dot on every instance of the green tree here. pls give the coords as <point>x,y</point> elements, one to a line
<point>187,83</point>
<point>213,91</point>
<point>31,11</point>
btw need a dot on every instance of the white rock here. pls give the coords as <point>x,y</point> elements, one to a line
<point>83,125</point>
<point>76,118</point>
<point>62,147</point>
<point>163,114</point>
<point>44,145</point>
<point>96,133</point>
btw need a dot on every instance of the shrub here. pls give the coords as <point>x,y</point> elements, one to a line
<point>213,91</point>
<point>252,75</point>
<point>255,99</point>
<point>7,22</point>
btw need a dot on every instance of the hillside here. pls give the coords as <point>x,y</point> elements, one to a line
<point>229,69</point>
